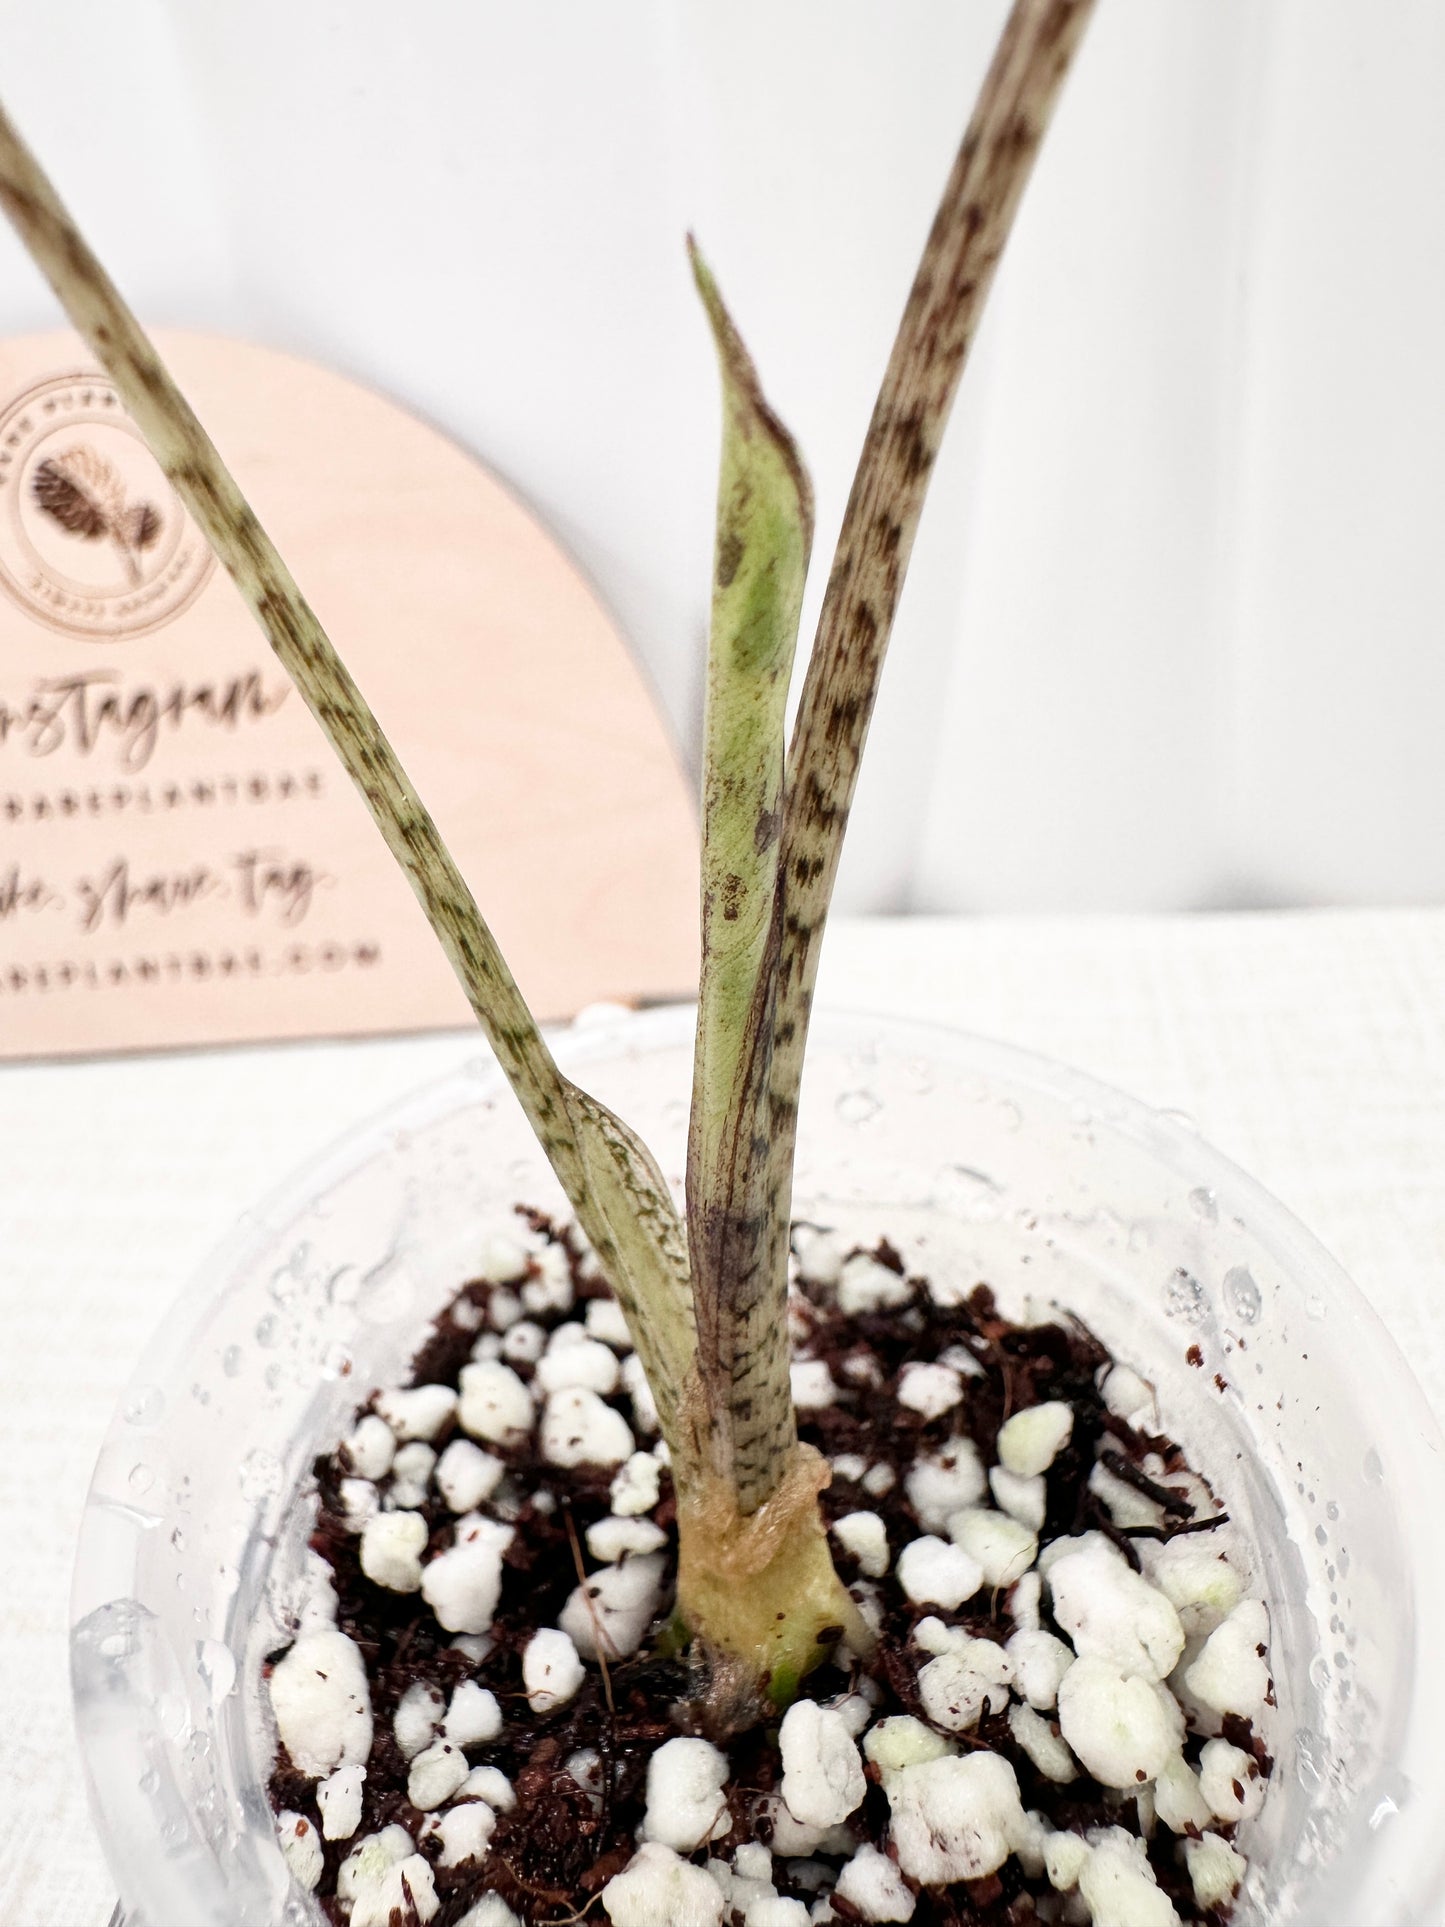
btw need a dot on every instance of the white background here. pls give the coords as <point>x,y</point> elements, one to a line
<point>1174,633</point>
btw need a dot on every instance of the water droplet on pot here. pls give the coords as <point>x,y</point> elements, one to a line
<point>285,1285</point>
<point>216,1664</point>
<point>1010,1117</point>
<point>335,1361</point>
<point>1181,1120</point>
<point>232,1359</point>
<point>1184,1298</point>
<point>1374,1468</point>
<point>145,1405</point>
<point>343,1286</point>
<point>1242,1295</point>
<point>142,1477</point>
<point>1204,1204</point>
<point>1320,1672</point>
<point>1316,1306</point>
<point>150,1781</point>
<point>268,1331</point>
<point>1311,1759</point>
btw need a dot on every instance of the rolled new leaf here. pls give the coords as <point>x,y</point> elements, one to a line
<point>738,1245</point>
<point>620,1198</point>
<point>939,321</point>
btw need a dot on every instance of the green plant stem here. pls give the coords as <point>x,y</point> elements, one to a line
<point>612,1183</point>
<point>939,321</point>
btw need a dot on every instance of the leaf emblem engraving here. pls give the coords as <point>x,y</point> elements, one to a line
<point>81,491</point>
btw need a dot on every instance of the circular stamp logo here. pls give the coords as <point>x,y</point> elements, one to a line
<point>94,541</point>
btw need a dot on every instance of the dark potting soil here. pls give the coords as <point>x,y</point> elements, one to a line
<point>551,1855</point>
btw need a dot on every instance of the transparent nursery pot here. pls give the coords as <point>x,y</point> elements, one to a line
<point>979,1163</point>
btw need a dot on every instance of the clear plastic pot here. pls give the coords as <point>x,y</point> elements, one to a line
<point>978,1162</point>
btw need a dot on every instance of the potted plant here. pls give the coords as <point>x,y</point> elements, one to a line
<point>821,1713</point>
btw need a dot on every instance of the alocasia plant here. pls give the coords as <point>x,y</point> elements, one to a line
<point>705,1297</point>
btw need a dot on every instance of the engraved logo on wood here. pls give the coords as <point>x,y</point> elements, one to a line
<point>93,540</point>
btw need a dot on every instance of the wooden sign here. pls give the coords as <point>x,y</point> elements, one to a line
<point>182,859</point>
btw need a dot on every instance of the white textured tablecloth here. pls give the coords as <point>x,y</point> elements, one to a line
<point>1311,1048</point>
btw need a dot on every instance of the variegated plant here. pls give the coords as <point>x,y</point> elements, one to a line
<point>705,1297</point>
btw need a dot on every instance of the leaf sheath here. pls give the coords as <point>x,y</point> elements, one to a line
<point>738,1246</point>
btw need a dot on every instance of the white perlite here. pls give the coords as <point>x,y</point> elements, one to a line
<point>820,1256</point>
<point>638,1486</point>
<point>657,1889</point>
<point>383,1877</point>
<point>503,1260</point>
<point>1118,1724</point>
<point>435,1774</point>
<point>466,1476</point>
<point>934,1573</point>
<point>1202,1587</point>
<point>1111,1612</point>
<point>1118,1887</point>
<point>474,1716</point>
<point>945,1482</point>
<point>929,1389</point>
<point>685,1801</point>
<point>490,1911</point>
<point>371,1448</point>
<point>391,1547</point>
<point>615,1607</point>
<point>902,1741</point>
<point>551,1669</point>
<point>812,1385</point>
<point>411,1472</point>
<point>1030,1441</point>
<point>866,1537</point>
<point>301,1847</point>
<point>1023,1499</point>
<point>579,1429</point>
<point>464,1831</point>
<point>1179,1802</point>
<point>488,1783</point>
<point>463,1584</point>
<point>322,1703</point>
<point>822,1773</point>
<point>1229,1782</point>
<point>955,1687</point>
<point>339,1798</point>
<point>577,1360</point>
<point>871,1883</point>
<point>955,1819</point>
<point>419,1413</point>
<point>644,1405</point>
<point>1042,1744</point>
<point>864,1285</point>
<point>616,1536</point>
<point>605,1320</point>
<point>1215,1870</point>
<point>524,1343</point>
<point>1002,1547</point>
<point>419,1713</point>
<point>1039,1661</point>
<point>1230,1674</point>
<point>495,1404</point>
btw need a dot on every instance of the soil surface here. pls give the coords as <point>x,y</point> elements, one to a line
<point>552,1854</point>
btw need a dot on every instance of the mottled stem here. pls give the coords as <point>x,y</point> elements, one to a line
<point>612,1183</point>
<point>939,322</point>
